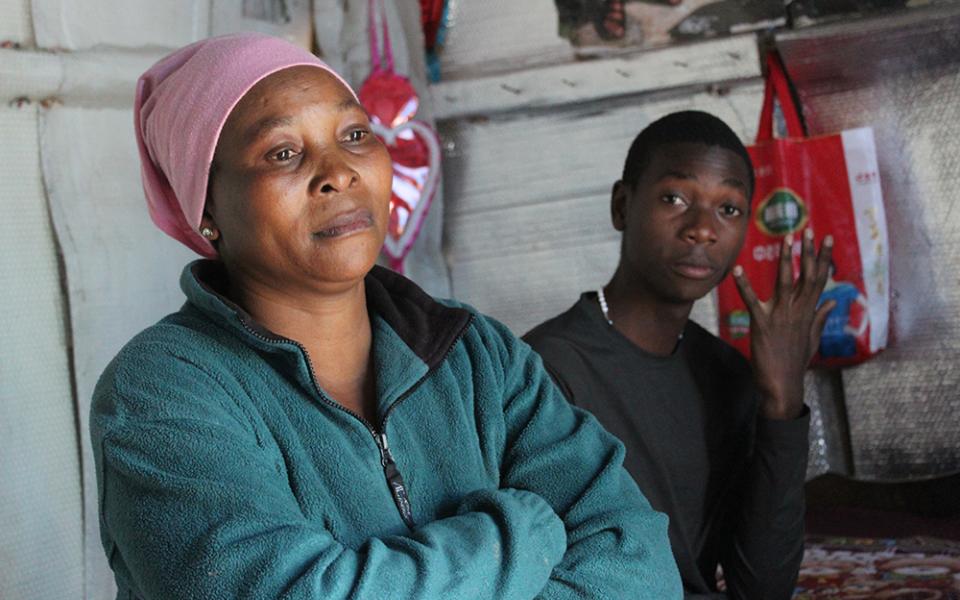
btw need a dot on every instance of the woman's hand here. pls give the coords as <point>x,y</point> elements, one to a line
<point>785,330</point>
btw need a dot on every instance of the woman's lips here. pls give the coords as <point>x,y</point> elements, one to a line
<point>345,224</point>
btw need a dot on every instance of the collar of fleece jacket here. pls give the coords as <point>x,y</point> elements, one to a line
<point>426,326</point>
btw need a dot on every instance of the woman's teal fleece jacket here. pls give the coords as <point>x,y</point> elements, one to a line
<point>224,471</point>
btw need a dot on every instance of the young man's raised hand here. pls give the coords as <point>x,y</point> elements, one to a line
<point>785,330</point>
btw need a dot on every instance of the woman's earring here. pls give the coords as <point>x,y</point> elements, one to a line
<point>208,233</point>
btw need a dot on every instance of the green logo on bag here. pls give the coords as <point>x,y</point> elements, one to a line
<point>781,212</point>
<point>739,322</point>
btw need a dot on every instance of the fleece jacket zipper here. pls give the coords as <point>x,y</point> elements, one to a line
<point>398,489</point>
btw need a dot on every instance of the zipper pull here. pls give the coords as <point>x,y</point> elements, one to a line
<point>395,481</point>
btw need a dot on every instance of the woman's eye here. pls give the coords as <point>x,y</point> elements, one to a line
<point>357,135</point>
<point>283,155</point>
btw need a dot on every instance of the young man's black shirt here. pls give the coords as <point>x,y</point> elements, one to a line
<point>730,481</point>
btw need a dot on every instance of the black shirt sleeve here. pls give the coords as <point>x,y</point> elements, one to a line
<point>762,557</point>
<point>561,362</point>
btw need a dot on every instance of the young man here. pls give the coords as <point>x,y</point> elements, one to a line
<point>718,444</point>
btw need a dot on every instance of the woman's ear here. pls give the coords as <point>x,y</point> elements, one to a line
<point>618,205</point>
<point>208,228</point>
<point>208,225</point>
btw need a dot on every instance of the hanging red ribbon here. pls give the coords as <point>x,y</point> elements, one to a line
<point>431,17</point>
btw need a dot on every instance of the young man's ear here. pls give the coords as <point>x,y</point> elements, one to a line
<point>618,205</point>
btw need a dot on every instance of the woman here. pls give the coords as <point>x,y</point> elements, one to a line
<point>310,425</point>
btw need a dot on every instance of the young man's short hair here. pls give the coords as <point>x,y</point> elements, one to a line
<point>688,126</point>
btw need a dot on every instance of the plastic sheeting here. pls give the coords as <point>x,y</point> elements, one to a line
<point>40,517</point>
<point>904,407</point>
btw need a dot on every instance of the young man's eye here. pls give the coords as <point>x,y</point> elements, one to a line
<point>674,199</point>
<point>730,210</point>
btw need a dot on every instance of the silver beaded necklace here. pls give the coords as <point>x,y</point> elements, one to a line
<point>605,308</point>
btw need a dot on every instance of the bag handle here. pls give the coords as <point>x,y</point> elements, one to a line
<point>375,13</point>
<point>778,86</point>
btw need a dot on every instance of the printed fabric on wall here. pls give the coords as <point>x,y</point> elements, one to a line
<point>650,23</point>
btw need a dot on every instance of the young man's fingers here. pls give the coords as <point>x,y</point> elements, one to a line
<point>823,264</point>
<point>746,291</point>
<point>785,269</point>
<point>819,320</point>
<point>808,259</point>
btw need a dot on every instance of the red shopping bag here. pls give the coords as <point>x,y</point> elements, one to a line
<point>829,183</point>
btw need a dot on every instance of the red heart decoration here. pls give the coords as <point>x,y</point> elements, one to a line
<point>414,147</point>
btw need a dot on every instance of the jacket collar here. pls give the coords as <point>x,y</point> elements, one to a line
<point>426,326</point>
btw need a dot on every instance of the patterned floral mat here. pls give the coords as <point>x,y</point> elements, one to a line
<point>879,569</point>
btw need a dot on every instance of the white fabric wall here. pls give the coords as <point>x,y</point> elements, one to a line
<point>40,491</point>
<point>121,271</point>
<point>15,26</point>
<point>72,25</point>
<point>40,536</point>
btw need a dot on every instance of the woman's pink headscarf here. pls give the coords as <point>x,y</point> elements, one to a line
<point>181,105</point>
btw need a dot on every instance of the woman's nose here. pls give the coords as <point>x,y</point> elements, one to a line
<point>334,174</point>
